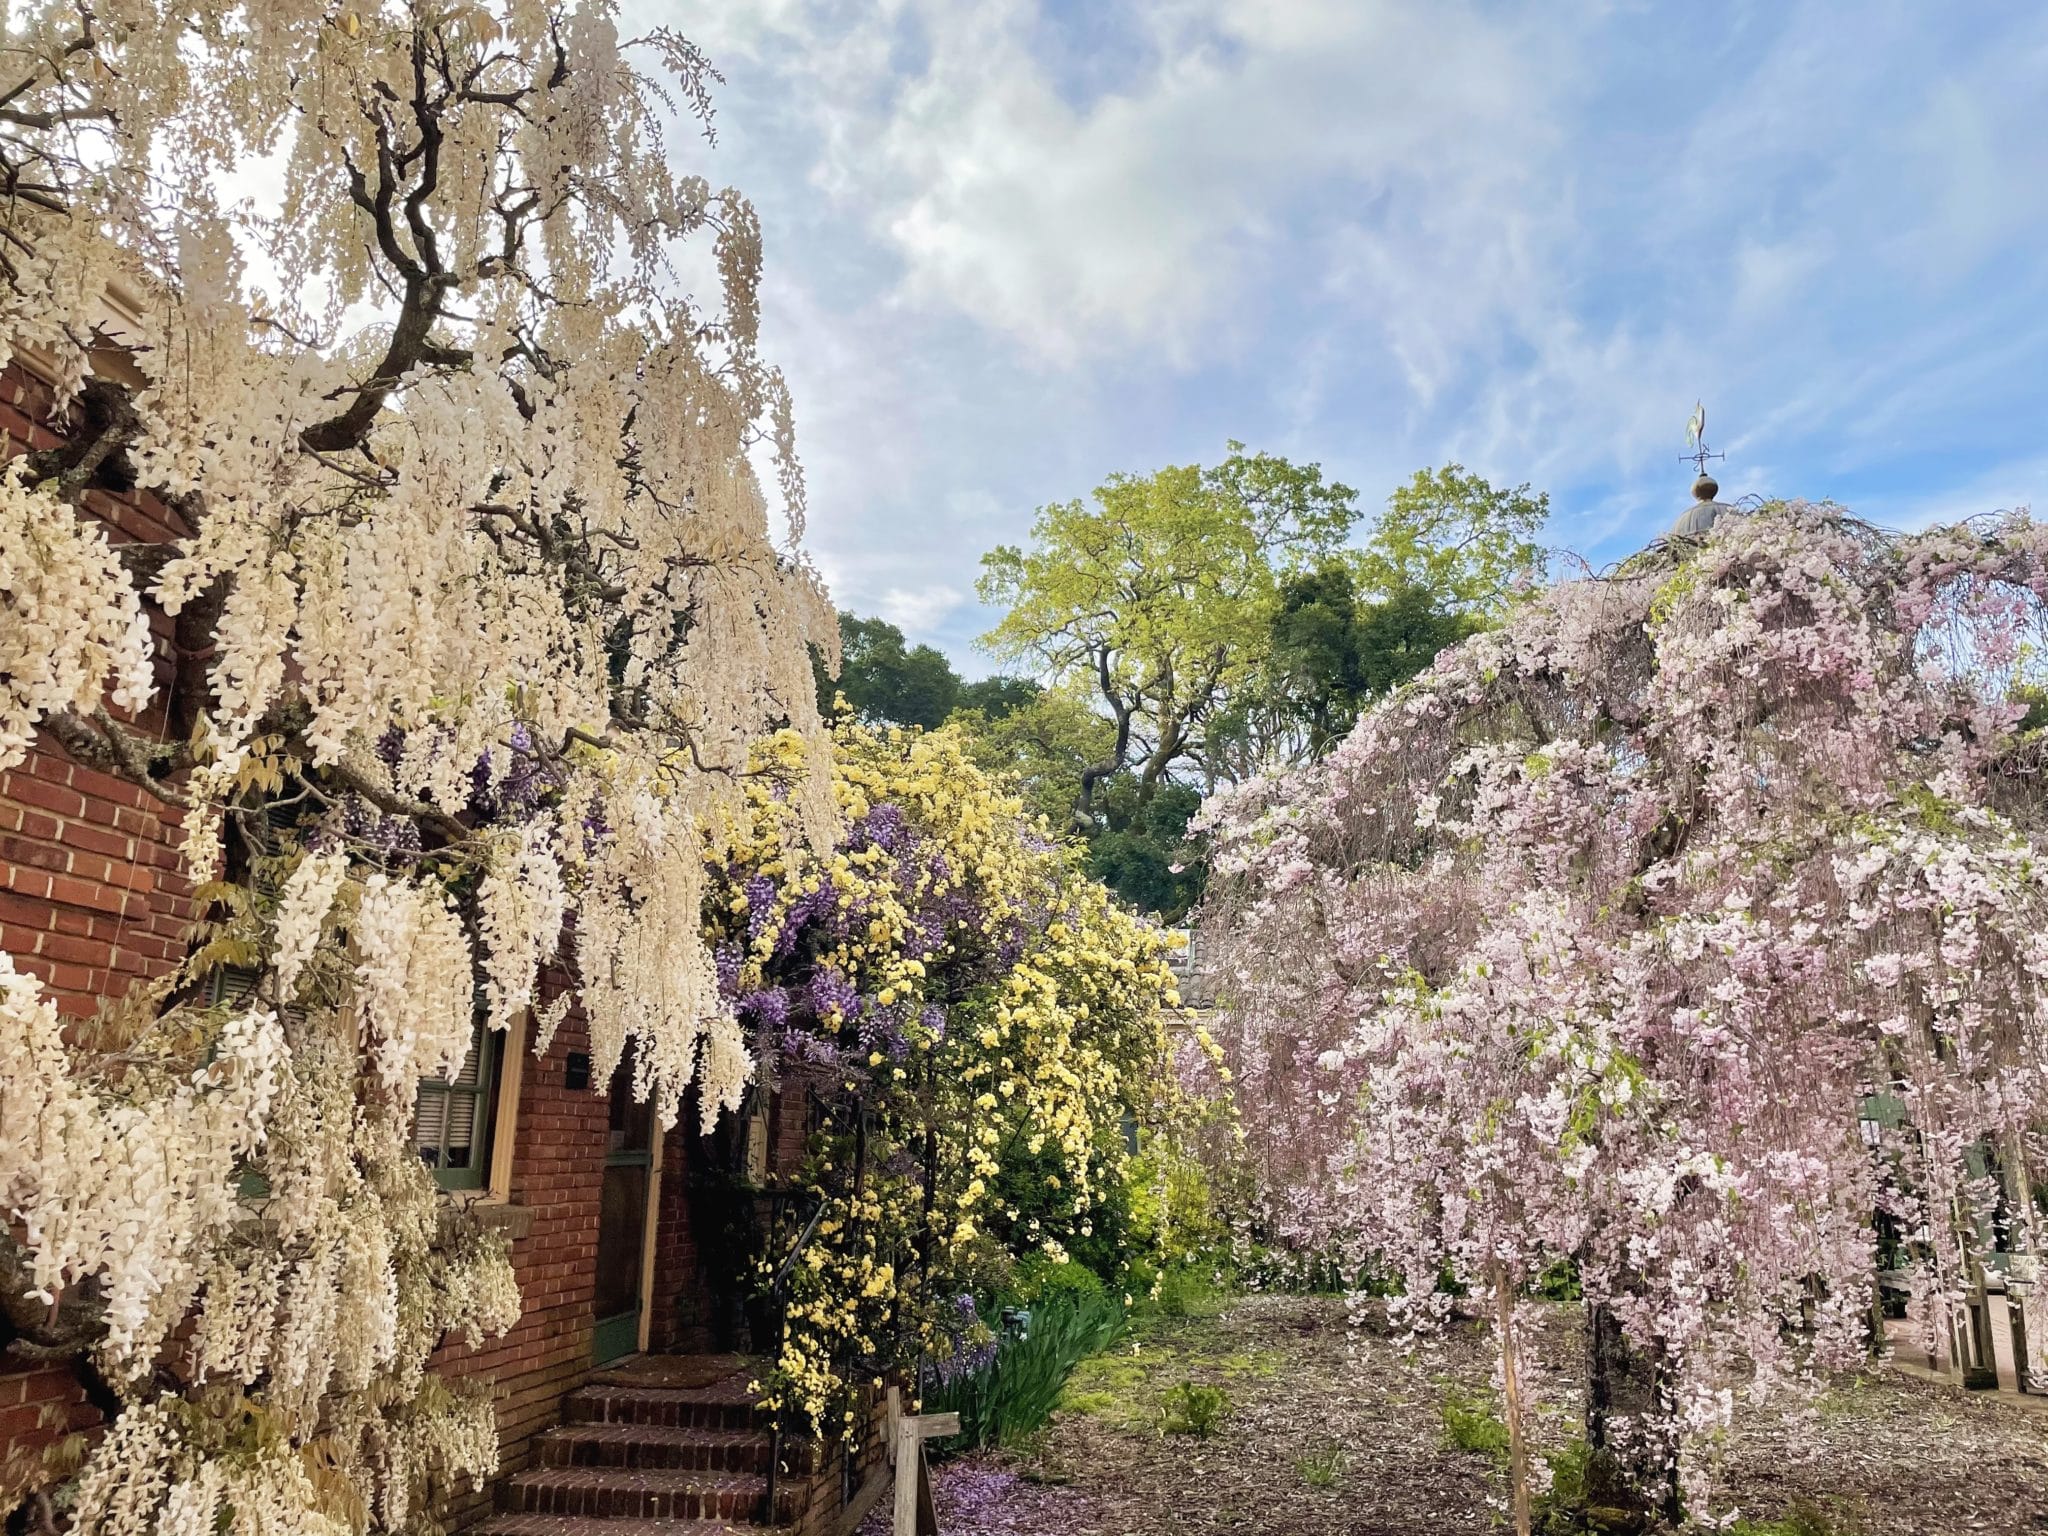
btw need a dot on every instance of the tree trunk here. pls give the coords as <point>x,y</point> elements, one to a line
<point>1511,1393</point>
<point>2025,1299</point>
<point>1632,1473</point>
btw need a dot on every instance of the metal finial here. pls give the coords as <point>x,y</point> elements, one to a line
<point>1696,435</point>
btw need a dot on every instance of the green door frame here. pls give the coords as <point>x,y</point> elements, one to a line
<point>631,1140</point>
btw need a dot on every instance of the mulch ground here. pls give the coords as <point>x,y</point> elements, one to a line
<point>1334,1428</point>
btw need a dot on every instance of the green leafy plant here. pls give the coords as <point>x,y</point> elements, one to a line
<point>1470,1424</point>
<point>1559,1281</point>
<point>1193,1408</point>
<point>1038,1280</point>
<point>1185,1293</point>
<point>1018,1389</point>
<point>1322,1467</point>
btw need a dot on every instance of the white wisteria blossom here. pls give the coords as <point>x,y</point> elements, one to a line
<point>74,622</point>
<point>477,610</point>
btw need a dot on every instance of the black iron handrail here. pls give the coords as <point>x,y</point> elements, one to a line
<point>776,1295</point>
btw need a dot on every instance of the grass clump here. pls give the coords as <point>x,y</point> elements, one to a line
<point>1193,1408</point>
<point>1322,1467</point>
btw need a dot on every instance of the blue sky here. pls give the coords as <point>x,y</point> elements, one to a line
<point>1014,247</point>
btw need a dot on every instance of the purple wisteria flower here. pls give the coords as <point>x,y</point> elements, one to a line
<point>767,1009</point>
<point>802,1045</point>
<point>830,991</point>
<point>727,958</point>
<point>760,893</point>
<point>884,827</point>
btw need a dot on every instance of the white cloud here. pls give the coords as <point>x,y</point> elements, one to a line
<point>1153,215</point>
<point>1013,247</point>
<point>918,611</point>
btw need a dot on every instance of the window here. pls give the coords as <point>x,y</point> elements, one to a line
<point>454,1116</point>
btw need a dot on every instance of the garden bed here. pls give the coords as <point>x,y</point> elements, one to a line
<point>1335,1429</point>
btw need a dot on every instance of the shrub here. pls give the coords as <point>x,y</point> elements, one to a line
<point>1037,1280</point>
<point>1195,1409</point>
<point>1185,1293</point>
<point>1017,1391</point>
<point>1559,1281</point>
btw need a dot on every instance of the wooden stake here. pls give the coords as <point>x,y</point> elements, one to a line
<point>1511,1390</point>
<point>914,1515</point>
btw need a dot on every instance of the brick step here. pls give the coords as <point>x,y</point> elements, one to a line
<point>574,1525</point>
<point>642,1493</point>
<point>656,1446</point>
<point>667,1407</point>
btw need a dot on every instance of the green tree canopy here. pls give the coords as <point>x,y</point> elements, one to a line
<point>887,681</point>
<point>1043,744</point>
<point>1142,852</point>
<point>1147,594</point>
<point>1450,534</point>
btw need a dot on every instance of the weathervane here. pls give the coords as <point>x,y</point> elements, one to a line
<point>1696,434</point>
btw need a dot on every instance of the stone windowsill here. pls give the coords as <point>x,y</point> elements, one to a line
<point>499,1214</point>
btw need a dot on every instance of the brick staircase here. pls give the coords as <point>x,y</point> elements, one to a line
<point>663,1446</point>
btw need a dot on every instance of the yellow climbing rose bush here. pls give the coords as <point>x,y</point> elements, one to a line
<point>982,1030</point>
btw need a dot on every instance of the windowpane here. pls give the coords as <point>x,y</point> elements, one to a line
<point>432,1125</point>
<point>461,1131</point>
<point>452,1117</point>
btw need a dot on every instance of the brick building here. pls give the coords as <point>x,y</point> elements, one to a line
<point>628,1246</point>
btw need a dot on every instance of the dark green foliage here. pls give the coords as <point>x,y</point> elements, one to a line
<point>1142,840</point>
<point>1016,1392</point>
<point>886,681</point>
<point>999,697</point>
<point>1023,1184</point>
<point>1193,1408</point>
<point>1335,649</point>
<point>1559,1282</point>
<point>1400,635</point>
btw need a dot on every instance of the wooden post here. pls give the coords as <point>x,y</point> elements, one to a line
<point>1511,1391</point>
<point>908,1432</point>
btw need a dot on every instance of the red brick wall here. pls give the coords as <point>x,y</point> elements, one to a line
<point>92,896</point>
<point>557,1176</point>
<point>679,1305</point>
<point>92,899</point>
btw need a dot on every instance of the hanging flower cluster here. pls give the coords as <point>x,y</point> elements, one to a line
<point>962,995</point>
<point>74,622</point>
<point>480,611</point>
<point>1693,929</point>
